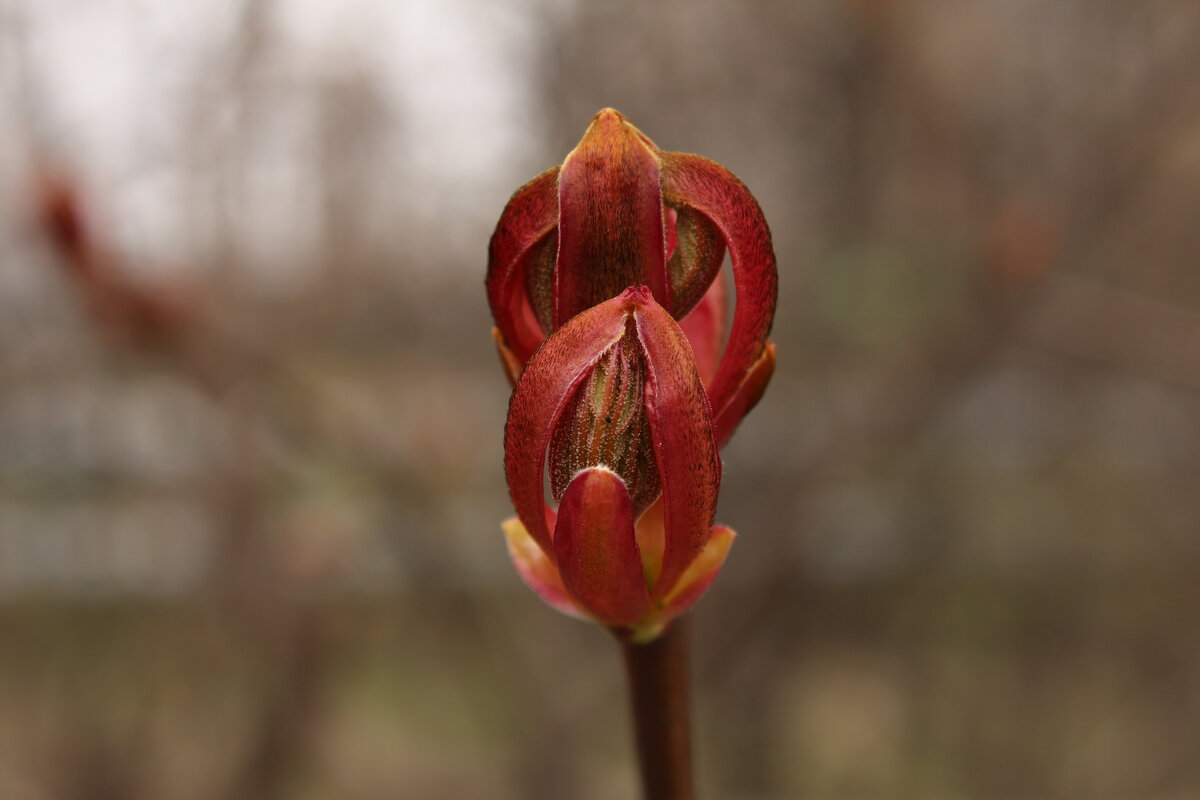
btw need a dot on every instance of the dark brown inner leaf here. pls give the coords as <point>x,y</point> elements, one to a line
<point>605,424</point>
<point>539,279</point>
<point>699,251</point>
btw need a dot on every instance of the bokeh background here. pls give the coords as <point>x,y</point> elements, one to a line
<point>250,413</point>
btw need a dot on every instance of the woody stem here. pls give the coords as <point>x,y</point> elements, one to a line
<point>659,692</point>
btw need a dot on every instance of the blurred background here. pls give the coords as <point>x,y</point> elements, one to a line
<point>251,415</point>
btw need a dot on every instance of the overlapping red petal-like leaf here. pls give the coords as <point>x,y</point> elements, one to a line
<point>513,366</point>
<point>745,396</point>
<point>684,446</point>
<point>610,219</point>
<point>699,575</point>
<point>595,548</point>
<point>620,212</point>
<point>538,401</point>
<point>594,543</point>
<point>711,190</point>
<point>537,569</point>
<point>530,217</point>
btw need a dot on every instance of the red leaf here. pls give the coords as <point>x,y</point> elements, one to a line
<point>529,217</point>
<point>710,189</point>
<point>508,359</point>
<point>610,233</point>
<point>538,401</point>
<point>704,327</point>
<point>699,575</point>
<point>684,447</point>
<point>537,569</point>
<point>595,548</point>
<point>746,396</point>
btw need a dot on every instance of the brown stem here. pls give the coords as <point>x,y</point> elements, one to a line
<point>658,689</point>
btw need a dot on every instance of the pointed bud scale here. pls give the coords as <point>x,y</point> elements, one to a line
<point>527,232</point>
<point>596,551</point>
<point>612,407</point>
<point>610,219</point>
<point>620,212</point>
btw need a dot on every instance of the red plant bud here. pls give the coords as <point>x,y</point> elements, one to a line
<point>613,403</point>
<point>620,212</point>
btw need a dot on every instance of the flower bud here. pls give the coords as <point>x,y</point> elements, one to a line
<point>613,408</point>
<point>620,212</point>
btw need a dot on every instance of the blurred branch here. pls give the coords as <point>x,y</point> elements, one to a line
<point>1058,312</point>
<point>247,591</point>
<point>1117,328</point>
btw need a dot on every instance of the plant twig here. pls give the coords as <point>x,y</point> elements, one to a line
<point>659,693</point>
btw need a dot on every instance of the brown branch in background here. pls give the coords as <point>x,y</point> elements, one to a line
<point>261,607</point>
<point>1019,297</point>
<point>296,673</point>
<point>130,313</point>
<point>90,767</point>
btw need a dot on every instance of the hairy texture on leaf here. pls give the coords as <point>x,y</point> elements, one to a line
<point>684,447</point>
<point>695,259</point>
<point>528,218</point>
<point>610,227</point>
<point>539,399</point>
<point>712,191</point>
<point>605,424</point>
<point>626,364</point>
<point>539,279</point>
